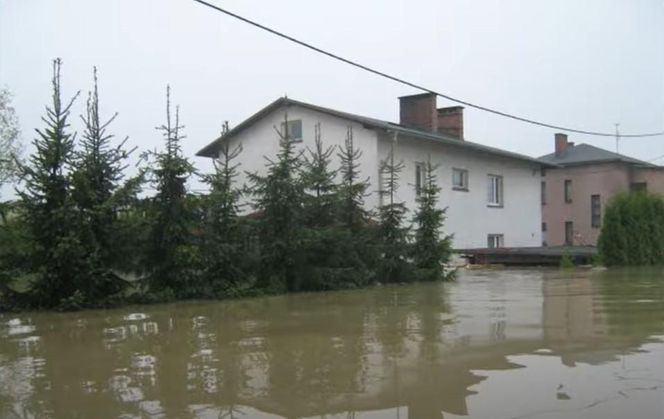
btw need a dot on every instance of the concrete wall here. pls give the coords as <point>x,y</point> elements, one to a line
<point>469,217</point>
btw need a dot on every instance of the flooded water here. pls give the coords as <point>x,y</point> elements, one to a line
<point>495,344</point>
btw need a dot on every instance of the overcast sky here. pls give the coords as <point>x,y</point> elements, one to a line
<point>585,64</point>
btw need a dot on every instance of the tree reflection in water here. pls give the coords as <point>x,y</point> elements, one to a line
<point>412,351</point>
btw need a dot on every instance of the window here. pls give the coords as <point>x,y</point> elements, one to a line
<point>495,241</point>
<point>569,233</point>
<point>419,177</point>
<point>568,190</point>
<point>543,193</point>
<point>294,131</point>
<point>595,211</point>
<point>638,187</point>
<point>460,179</point>
<point>495,191</point>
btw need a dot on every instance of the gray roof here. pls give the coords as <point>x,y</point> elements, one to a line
<point>587,154</point>
<point>210,150</point>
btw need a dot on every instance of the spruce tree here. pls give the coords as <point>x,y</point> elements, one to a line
<point>429,251</point>
<point>324,256</point>
<point>278,200</point>
<point>172,256</point>
<point>318,179</point>
<point>222,229</point>
<point>352,190</point>
<point>355,247</point>
<point>48,209</point>
<point>99,194</point>
<point>394,264</point>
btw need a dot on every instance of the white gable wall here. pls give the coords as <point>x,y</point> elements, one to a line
<point>469,217</point>
<point>260,140</point>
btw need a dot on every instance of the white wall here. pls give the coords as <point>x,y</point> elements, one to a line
<point>468,216</point>
<point>260,140</point>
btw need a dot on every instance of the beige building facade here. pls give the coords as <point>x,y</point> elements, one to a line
<point>574,195</point>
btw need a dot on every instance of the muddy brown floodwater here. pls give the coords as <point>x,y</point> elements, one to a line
<point>494,344</point>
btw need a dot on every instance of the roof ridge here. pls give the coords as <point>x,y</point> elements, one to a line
<point>585,153</point>
<point>209,150</point>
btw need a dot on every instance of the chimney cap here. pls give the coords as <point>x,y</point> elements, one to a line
<point>450,109</point>
<point>417,95</point>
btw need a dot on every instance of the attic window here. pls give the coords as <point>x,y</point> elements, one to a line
<point>459,179</point>
<point>294,131</point>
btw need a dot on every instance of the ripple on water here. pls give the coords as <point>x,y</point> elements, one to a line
<point>200,321</point>
<point>135,317</point>
<point>151,407</point>
<point>204,352</point>
<point>17,327</point>
<point>255,341</point>
<point>14,322</point>
<point>144,363</point>
<point>114,334</point>
<point>120,385</point>
<point>28,342</point>
<point>21,330</point>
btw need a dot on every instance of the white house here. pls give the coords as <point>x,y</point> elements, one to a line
<point>492,196</point>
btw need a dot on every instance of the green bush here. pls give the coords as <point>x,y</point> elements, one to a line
<point>566,262</point>
<point>633,230</point>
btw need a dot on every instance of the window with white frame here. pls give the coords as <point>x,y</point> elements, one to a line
<point>495,241</point>
<point>460,179</point>
<point>419,177</point>
<point>294,131</point>
<point>495,191</point>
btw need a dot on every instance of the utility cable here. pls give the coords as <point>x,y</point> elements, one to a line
<point>414,85</point>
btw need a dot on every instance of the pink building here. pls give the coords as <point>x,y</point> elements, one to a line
<point>575,194</point>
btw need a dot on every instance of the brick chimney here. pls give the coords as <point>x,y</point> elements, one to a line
<point>562,144</point>
<point>420,112</point>
<point>450,121</point>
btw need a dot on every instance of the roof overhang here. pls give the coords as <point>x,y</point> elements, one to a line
<point>212,150</point>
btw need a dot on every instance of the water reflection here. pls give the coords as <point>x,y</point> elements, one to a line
<point>420,351</point>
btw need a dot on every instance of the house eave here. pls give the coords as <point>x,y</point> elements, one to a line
<point>211,150</point>
<point>605,161</point>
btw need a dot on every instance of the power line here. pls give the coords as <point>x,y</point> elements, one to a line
<point>656,158</point>
<point>414,85</point>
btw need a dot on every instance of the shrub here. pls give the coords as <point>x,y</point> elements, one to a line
<point>633,230</point>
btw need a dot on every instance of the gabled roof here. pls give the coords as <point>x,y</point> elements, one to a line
<point>210,150</point>
<point>581,154</point>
